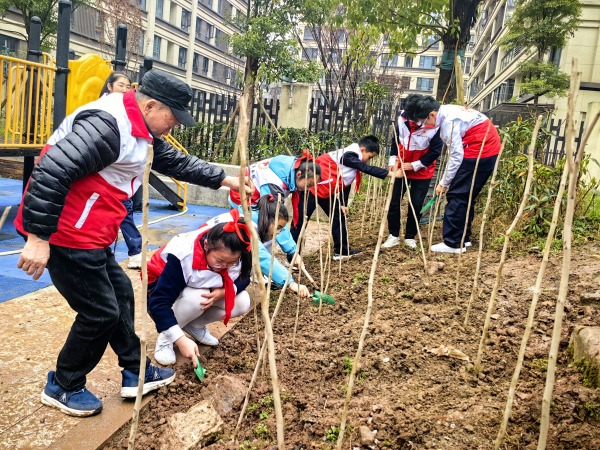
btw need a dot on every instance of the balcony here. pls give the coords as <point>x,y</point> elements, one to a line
<point>510,57</point>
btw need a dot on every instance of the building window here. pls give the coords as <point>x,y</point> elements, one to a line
<point>408,61</point>
<point>156,48</point>
<point>207,3</point>
<point>310,54</point>
<point>208,32</point>
<point>142,4</point>
<point>159,8</point>
<point>182,60</point>
<point>198,28</point>
<point>196,63</point>
<point>308,35</point>
<point>220,6</point>
<point>204,65</point>
<point>427,62</point>
<point>142,44</point>
<point>389,60</point>
<point>425,84</point>
<point>186,20</point>
<point>431,42</point>
<point>8,44</point>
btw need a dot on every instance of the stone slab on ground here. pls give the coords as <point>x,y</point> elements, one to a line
<point>585,342</point>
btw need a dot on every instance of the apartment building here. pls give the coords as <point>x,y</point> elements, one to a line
<point>187,38</point>
<point>419,73</point>
<point>495,77</point>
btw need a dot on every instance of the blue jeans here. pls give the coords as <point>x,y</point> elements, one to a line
<point>131,234</point>
<point>101,294</point>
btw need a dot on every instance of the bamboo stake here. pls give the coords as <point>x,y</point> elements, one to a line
<point>224,135</point>
<point>4,216</point>
<point>300,244</point>
<point>507,235</point>
<point>362,222</point>
<point>242,139</point>
<point>464,233</point>
<point>574,163</point>
<point>264,343</point>
<point>275,226</point>
<point>412,208</point>
<point>363,334</point>
<point>536,294</point>
<point>262,106</point>
<point>143,299</point>
<point>438,200</point>
<point>483,222</point>
<point>321,268</point>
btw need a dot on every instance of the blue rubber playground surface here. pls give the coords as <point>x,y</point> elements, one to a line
<point>15,282</point>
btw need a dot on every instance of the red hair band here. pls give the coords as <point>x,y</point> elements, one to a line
<point>235,227</point>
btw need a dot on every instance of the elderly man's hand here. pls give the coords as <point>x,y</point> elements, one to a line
<point>34,256</point>
<point>234,183</point>
<point>439,190</point>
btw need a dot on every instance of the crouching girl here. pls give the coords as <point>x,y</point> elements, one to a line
<point>196,279</point>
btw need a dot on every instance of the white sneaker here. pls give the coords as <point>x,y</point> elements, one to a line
<point>135,262</point>
<point>392,241</point>
<point>163,352</point>
<point>201,335</point>
<point>410,243</point>
<point>443,248</point>
<point>468,244</point>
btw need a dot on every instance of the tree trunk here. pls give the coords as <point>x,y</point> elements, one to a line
<point>465,14</point>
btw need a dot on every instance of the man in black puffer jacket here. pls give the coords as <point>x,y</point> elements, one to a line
<point>71,213</point>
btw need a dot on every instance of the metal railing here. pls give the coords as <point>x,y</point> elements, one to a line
<point>26,101</point>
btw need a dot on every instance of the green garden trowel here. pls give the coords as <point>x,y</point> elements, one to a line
<point>200,371</point>
<point>429,204</point>
<point>326,299</point>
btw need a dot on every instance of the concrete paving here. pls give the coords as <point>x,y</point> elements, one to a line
<point>34,328</point>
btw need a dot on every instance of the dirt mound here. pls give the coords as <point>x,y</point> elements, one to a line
<point>406,395</point>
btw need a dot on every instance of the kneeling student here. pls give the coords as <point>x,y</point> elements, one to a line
<point>196,279</point>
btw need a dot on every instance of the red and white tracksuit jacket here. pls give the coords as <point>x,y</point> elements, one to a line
<point>464,131</point>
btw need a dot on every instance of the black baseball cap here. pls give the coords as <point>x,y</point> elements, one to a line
<point>171,91</point>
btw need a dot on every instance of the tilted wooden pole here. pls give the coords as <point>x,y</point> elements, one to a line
<point>507,236</point>
<point>143,299</point>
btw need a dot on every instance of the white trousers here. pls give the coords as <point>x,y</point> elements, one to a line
<point>188,310</point>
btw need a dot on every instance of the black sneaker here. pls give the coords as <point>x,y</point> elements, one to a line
<point>155,377</point>
<point>350,254</point>
<point>79,403</point>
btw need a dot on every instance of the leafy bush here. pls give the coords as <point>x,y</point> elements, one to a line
<point>510,182</point>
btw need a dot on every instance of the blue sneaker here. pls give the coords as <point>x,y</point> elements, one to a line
<point>155,378</point>
<point>79,403</point>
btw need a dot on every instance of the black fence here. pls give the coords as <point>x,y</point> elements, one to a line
<point>555,148</point>
<point>212,112</point>
<point>346,116</point>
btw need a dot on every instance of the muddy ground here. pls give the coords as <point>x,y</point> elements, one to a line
<point>413,398</point>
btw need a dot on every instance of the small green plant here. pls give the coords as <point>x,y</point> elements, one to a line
<point>592,410</point>
<point>264,415</point>
<point>332,434</point>
<point>347,365</point>
<point>266,401</point>
<point>359,278</point>
<point>262,431</point>
<point>247,445</point>
<point>540,364</point>
<point>591,375</point>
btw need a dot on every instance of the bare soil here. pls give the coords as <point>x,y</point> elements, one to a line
<point>413,398</point>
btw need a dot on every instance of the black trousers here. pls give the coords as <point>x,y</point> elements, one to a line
<point>457,196</point>
<point>98,290</point>
<point>418,191</point>
<point>339,231</point>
